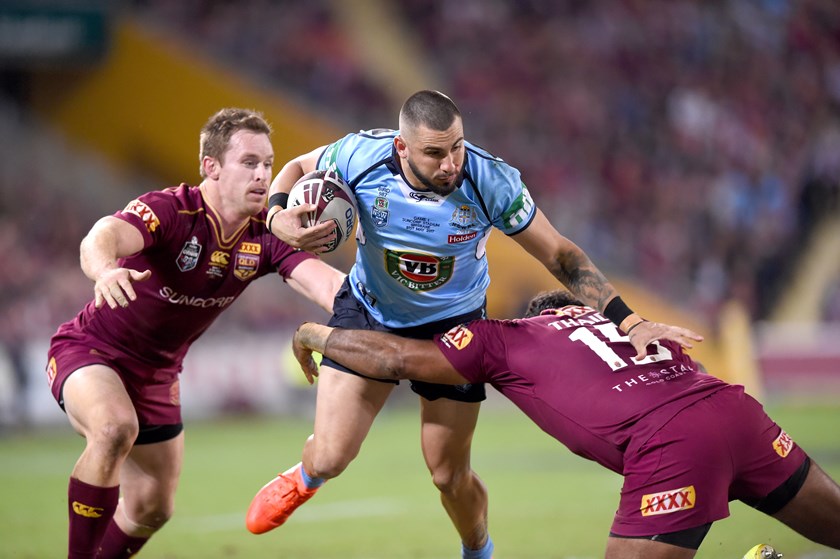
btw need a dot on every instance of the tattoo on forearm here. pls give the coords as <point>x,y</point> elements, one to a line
<point>582,278</point>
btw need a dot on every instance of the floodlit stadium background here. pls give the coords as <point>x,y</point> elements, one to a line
<point>691,148</point>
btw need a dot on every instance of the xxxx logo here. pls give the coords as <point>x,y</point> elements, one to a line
<point>52,370</point>
<point>86,510</point>
<point>668,501</point>
<point>459,336</point>
<point>783,444</point>
<point>144,212</point>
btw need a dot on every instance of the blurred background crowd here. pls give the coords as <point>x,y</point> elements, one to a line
<point>691,146</point>
<point>688,144</point>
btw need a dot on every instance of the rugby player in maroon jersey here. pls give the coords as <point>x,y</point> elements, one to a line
<point>163,269</point>
<point>685,442</point>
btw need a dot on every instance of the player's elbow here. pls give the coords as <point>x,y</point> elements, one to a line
<point>394,365</point>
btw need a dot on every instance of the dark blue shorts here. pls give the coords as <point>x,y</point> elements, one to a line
<point>349,313</point>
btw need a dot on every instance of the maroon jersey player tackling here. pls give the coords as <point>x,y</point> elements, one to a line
<point>164,268</point>
<point>686,442</point>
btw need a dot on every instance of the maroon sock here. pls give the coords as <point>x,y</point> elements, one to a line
<point>116,544</point>
<point>90,508</point>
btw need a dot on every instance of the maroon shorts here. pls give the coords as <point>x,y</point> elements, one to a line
<point>155,392</point>
<point>719,449</point>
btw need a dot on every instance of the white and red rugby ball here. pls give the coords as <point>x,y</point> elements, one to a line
<point>335,201</point>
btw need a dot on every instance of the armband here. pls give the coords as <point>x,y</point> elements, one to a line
<point>278,199</point>
<point>270,219</point>
<point>632,327</point>
<point>617,311</point>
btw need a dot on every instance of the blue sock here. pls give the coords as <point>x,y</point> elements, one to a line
<point>311,482</point>
<point>485,552</point>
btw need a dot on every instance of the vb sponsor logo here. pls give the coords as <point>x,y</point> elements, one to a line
<point>86,510</point>
<point>667,502</point>
<point>419,272</point>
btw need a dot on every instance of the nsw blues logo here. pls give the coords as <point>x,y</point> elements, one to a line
<point>379,212</point>
<point>188,259</point>
<point>464,221</point>
<point>464,218</point>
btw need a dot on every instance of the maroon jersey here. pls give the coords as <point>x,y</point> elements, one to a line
<point>197,272</point>
<point>574,374</point>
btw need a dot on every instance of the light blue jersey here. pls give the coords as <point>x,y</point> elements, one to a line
<point>421,257</point>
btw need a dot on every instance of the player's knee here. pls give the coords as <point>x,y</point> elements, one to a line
<point>150,518</point>
<point>329,466</point>
<point>114,437</point>
<point>451,481</point>
<point>159,516</point>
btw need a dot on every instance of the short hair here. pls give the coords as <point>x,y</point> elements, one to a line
<point>429,108</point>
<point>218,130</point>
<point>546,300</point>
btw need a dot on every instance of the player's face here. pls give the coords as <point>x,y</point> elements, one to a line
<point>434,158</point>
<point>245,175</point>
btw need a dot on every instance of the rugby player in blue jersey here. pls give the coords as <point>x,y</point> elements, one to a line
<point>428,200</point>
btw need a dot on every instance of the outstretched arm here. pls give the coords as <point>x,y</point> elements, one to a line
<point>109,240</point>
<point>374,354</point>
<point>573,268</point>
<point>283,222</point>
<point>317,281</point>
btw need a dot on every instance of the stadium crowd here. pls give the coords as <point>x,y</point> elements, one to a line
<point>690,146</point>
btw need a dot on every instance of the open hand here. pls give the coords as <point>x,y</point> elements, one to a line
<point>648,332</point>
<point>114,287</point>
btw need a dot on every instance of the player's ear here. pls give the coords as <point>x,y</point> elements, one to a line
<point>401,146</point>
<point>211,167</point>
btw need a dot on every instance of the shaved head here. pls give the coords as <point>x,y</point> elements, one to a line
<point>428,108</point>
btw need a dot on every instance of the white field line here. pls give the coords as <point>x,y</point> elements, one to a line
<point>361,508</point>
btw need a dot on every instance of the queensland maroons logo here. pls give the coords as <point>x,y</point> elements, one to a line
<point>419,272</point>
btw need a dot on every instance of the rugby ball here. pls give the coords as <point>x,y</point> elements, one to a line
<point>334,200</point>
<point>762,551</point>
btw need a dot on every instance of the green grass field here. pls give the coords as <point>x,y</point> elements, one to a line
<point>545,502</point>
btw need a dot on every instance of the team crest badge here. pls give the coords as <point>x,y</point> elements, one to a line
<point>463,217</point>
<point>246,265</point>
<point>247,260</point>
<point>379,211</point>
<point>188,259</point>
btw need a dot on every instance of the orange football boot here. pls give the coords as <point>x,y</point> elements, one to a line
<point>277,500</point>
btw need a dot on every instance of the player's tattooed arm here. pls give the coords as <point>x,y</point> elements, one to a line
<point>567,262</point>
<point>573,268</point>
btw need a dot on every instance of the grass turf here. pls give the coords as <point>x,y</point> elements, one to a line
<point>545,502</point>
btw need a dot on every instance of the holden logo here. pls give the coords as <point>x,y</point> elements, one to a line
<point>419,272</point>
